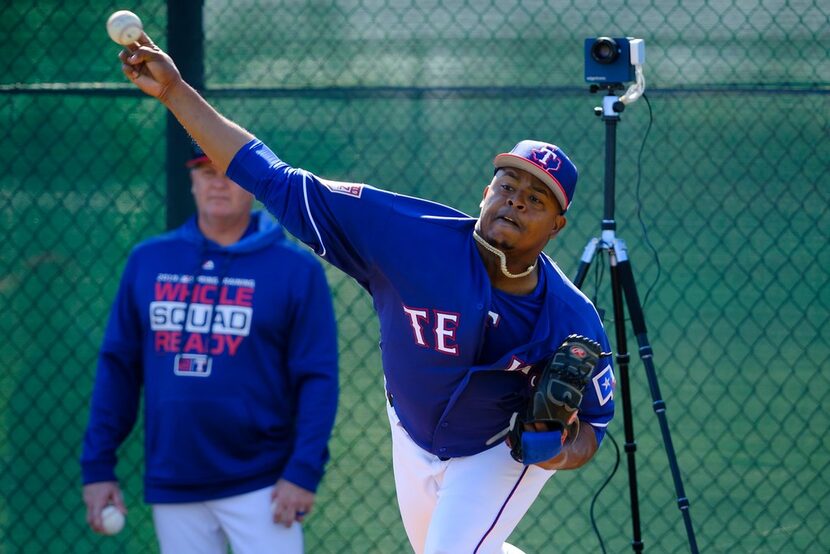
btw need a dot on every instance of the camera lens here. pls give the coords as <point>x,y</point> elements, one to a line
<point>605,50</point>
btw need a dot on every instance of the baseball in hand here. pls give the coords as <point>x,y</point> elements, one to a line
<point>124,27</point>
<point>113,520</point>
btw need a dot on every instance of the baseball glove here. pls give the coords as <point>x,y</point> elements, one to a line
<point>550,419</point>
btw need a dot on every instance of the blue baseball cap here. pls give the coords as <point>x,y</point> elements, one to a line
<point>197,156</point>
<point>547,162</point>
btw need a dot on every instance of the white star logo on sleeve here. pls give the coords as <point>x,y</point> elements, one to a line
<point>604,385</point>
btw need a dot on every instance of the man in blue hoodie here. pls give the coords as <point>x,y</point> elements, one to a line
<point>467,307</point>
<point>229,329</point>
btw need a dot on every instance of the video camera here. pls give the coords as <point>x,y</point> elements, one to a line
<point>612,60</point>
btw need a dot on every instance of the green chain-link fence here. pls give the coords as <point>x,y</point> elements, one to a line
<point>417,96</point>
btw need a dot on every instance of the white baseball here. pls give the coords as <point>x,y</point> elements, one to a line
<point>113,520</point>
<point>124,27</point>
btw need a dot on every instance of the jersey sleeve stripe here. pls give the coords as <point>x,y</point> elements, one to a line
<point>322,252</point>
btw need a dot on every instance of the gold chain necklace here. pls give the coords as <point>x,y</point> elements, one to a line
<point>502,258</point>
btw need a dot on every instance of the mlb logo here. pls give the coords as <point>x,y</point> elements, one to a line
<point>192,365</point>
<point>349,189</point>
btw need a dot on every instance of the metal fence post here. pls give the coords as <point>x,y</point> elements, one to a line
<point>185,43</point>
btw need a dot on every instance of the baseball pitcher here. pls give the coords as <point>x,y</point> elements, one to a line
<point>497,369</point>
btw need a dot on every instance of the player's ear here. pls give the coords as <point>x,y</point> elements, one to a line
<point>484,196</point>
<point>559,222</point>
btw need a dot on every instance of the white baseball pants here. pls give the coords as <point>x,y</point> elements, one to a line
<point>244,521</point>
<point>467,505</point>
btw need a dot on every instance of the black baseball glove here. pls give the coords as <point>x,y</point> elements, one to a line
<point>558,383</point>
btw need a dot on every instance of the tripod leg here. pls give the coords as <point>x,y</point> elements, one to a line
<point>635,310</point>
<point>622,361</point>
<point>585,262</point>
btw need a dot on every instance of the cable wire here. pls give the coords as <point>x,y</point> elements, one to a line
<point>607,480</point>
<point>655,253</point>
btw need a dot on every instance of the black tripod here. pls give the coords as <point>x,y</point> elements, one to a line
<point>622,282</point>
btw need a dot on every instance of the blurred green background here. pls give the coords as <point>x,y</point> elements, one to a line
<point>724,209</point>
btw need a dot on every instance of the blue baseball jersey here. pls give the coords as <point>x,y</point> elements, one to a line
<point>420,263</point>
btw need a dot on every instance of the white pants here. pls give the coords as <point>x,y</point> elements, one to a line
<point>467,505</point>
<point>207,527</point>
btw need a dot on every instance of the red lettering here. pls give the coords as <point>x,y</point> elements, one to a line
<point>240,296</point>
<point>224,299</point>
<point>171,291</point>
<point>167,341</point>
<point>204,294</point>
<point>245,296</point>
<point>233,342</point>
<point>162,340</point>
<point>218,344</point>
<point>222,342</point>
<point>194,344</point>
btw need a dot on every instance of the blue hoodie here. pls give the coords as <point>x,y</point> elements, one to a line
<point>244,393</point>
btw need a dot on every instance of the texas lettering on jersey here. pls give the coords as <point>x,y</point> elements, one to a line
<point>437,330</point>
<point>442,328</point>
<point>198,319</point>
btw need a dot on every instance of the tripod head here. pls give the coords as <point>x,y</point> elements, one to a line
<point>612,106</point>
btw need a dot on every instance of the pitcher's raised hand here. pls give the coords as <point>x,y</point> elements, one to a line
<point>149,67</point>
